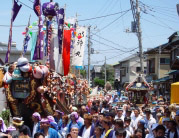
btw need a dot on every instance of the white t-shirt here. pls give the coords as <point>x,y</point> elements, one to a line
<point>134,121</point>
<point>171,135</point>
<point>149,123</point>
<point>86,132</point>
<point>34,129</point>
<point>116,117</point>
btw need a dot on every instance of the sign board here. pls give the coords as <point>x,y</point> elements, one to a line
<point>20,88</point>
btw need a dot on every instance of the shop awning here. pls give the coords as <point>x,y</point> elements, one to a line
<point>173,72</point>
<point>164,79</point>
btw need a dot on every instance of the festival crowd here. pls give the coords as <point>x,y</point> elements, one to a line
<point>103,119</point>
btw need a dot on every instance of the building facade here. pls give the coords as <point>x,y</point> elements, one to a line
<point>158,62</point>
<point>129,67</point>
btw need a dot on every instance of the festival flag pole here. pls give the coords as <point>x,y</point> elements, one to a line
<point>26,38</point>
<point>14,12</point>
<point>38,53</point>
<point>60,21</point>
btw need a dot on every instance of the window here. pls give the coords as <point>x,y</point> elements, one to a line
<point>164,61</point>
<point>123,71</point>
<point>152,65</point>
<point>137,69</point>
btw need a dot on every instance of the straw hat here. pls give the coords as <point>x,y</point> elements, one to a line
<point>17,121</point>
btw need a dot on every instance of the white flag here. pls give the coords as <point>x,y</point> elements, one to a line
<point>78,51</point>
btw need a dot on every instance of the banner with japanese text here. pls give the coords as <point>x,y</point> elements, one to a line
<point>78,51</point>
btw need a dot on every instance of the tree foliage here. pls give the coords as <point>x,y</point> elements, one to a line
<point>83,73</point>
<point>99,82</point>
<point>109,73</point>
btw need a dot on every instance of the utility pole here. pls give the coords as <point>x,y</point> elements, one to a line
<point>159,62</point>
<point>139,34</point>
<point>105,70</point>
<point>89,54</point>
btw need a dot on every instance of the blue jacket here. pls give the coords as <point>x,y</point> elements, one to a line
<point>52,133</point>
<point>91,131</point>
<point>79,124</point>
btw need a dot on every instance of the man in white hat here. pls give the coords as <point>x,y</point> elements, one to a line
<point>18,123</point>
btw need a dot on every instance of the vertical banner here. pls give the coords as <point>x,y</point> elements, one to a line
<point>38,54</point>
<point>56,56</point>
<point>78,51</point>
<point>71,22</point>
<point>66,51</point>
<point>60,22</point>
<point>15,11</point>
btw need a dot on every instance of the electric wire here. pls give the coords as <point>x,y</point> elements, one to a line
<point>111,57</point>
<point>112,22</point>
<point>25,5</point>
<point>157,18</point>
<point>113,46</point>
<point>111,6</point>
<point>161,18</point>
<point>31,1</point>
<point>156,23</point>
<point>79,20</point>
<point>108,40</point>
<point>103,16</point>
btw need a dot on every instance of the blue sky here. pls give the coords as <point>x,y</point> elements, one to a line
<point>158,23</point>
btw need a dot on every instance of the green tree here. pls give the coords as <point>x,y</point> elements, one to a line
<point>109,73</point>
<point>99,82</point>
<point>83,73</point>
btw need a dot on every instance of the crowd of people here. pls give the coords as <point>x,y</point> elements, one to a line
<point>103,119</point>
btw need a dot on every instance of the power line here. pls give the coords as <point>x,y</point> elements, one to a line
<point>108,40</point>
<point>103,16</point>
<point>162,18</point>
<point>31,1</point>
<point>108,8</point>
<point>113,46</point>
<point>25,5</point>
<point>157,24</point>
<point>113,21</point>
<point>13,25</point>
<point>111,57</point>
<point>79,20</point>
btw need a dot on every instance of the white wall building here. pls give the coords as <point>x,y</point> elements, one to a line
<point>128,67</point>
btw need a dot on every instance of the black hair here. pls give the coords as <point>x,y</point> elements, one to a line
<point>160,127</point>
<point>3,136</point>
<point>100,128</point>
<point>137,109</point>
<point>94,103</point>
<point>23,130</point>
<point>119,122</point>
<point>39,134</point>
<point>138,130</point>
<point>95,108</point>
<point>173,123</point>
<point>118,132</point>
